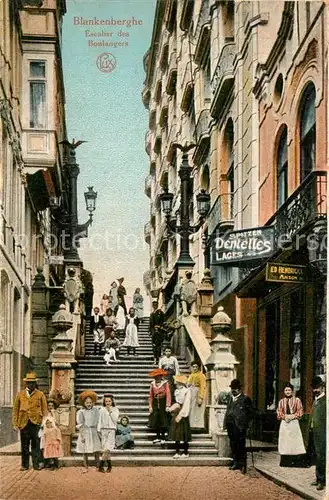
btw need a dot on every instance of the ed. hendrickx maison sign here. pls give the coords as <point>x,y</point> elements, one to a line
<point>242,246</point>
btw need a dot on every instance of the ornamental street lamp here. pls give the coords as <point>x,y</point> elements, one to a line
<point>76,230</point>
<point>203,205</point>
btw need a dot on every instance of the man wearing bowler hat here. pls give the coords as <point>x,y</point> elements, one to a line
<point>30,406</point>
<point>238,415</point>
<point>318,431</point>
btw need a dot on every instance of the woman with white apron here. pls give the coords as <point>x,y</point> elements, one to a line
<point>291,445</point>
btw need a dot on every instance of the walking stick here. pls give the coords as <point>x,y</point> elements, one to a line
<point>252,453</point>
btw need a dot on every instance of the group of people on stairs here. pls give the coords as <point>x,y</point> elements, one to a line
<point>113,325</point>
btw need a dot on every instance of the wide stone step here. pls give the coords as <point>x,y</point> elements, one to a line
<point>156,451</point>
<point>128,460</point>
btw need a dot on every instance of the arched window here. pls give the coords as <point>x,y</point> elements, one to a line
<point>307,132</point>
<point>282,169</point>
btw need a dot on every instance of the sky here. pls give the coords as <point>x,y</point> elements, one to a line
<point>104,107</point>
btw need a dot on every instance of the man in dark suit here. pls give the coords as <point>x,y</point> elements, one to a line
<point>157,319</point>
<point>238,415</point>
<point>318,431</point>
<point>97,326</point>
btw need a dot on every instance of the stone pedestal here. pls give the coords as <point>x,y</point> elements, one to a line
<point>206,302</point>
<point>61,362</point>
<point>221,370</point>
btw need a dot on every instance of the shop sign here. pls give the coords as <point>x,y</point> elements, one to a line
<point>56,259</point>
<point>285,273</point>
<point>240,247</point>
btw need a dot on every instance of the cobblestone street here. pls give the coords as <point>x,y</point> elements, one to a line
<point>144,483</point>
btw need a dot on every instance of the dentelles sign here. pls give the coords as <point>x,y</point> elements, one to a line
<point>242,246</point>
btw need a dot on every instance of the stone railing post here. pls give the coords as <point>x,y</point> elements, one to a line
<point>221,369</point>
<point>206,302</point>
<point>61,362</point>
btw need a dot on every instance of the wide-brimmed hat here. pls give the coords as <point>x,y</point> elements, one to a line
<point>158,372</point>
<point>87,394</point>
<point>317,382</point>
<point>30,377</point>
<point>180,379</point>
<point>120,279</point>
<point>235,384</point>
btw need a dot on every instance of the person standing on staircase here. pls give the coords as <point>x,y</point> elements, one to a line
<point>87,422</point>
<point>157,319</point>
<point>120,315</point>
<point>159,404</point>
<point>169,363</point>
<point>180,430</point>
<point>107,425</point>
<point>121,293</point>
<point>97,326</point>
<point>131,338</point>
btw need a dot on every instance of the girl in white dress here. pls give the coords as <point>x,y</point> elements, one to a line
<point>87,421</point>
<point>138,303</point>
<point>121,317</point>
<point>131,338</point>
<point>113,295</point>
<point>107,424</point>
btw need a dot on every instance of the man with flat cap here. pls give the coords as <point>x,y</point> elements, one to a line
<point>318,431</point>
<point>30,406</point>
<point>238,415</point>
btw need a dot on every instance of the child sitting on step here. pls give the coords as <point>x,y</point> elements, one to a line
<point>123,438</point>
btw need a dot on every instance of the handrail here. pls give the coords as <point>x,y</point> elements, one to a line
<point>197,337</point>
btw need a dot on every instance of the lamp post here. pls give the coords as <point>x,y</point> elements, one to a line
<point>76,230</point>
<point>203,204</point>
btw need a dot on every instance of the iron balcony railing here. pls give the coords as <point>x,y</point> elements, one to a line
<point>202,126</point>
<point>147,231</point>
<point>306,204</point>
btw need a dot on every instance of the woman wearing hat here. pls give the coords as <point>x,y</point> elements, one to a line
<point>159,403</point>
<point>180,430</point>
<point>291,445</point>
<point>87,421</point>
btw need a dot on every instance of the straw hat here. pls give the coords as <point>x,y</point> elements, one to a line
<point>87,394</point>
<point>30,377</point>
<point>158,372</point>
<point>181,379</point>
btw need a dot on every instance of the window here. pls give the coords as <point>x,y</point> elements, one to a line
<point>37,94</point>
<point>206,80</point>
<point>229,140</point>
<point>282,169</point>
<point>307,132</point>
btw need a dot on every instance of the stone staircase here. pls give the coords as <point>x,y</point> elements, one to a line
<point>128,381</point>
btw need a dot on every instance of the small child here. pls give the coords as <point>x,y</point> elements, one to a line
<point>109,354</point>
<point>52,443</point>
<point>123,438</point>
<point>87,421</point>
<point>107,424</point>
<point>52,414</point>
<point>180,430</point>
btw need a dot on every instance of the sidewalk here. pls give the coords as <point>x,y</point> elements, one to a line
<point>295,479</point>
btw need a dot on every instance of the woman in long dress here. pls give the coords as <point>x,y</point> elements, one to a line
<point>138,303</point>
<point>159,404</point>
<point>107,425</point>
<point>197,383</point>
<point>119,313</point>
<point>291,445</point>
<point>131,338</point>
<point>180,430</point>
<point>104,304</point>
<point>113,295</point>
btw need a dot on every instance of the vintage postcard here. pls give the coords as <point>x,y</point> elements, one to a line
<point>163,249</point>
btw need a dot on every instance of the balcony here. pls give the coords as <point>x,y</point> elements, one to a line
<point>171,139</point>
<point>148,185</point>
<point>172,73</point>
<point>202,136</point>
<point>146,96</point>
<point>147,232</point>
<point>158,139</point>
<point>188,87</point>
<point>302,209</point>
<point>202,33</point>
<point>223,79</point>
<point>148,142</point>
<point>220,215</point>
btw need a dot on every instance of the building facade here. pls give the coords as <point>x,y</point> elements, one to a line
<point>246,82</point>
<point>32,179</point>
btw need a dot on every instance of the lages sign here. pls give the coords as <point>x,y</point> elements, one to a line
<point>239,247</point>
